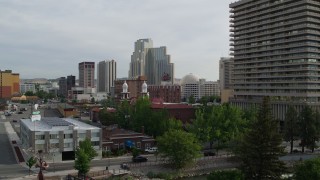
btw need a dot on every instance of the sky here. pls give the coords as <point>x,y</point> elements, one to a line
<point>48,38</point>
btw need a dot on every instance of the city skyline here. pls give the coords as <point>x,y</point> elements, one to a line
<point>44,39</point>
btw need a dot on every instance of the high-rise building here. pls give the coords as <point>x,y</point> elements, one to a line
<point>86,74</point>
<point>63,91</point>
<point>137,64</point>
<point>225,78</point>
<point>9,84</point>
<point>106,75</point>
<point>154,63</point>
<point>225,72</point>
<point>276,53</point>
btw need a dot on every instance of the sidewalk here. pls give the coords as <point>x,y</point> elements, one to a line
<point>115,170</point>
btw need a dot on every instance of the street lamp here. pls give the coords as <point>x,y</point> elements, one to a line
<point>41,164</point>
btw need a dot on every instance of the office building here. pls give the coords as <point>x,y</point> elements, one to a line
<point>27,87</point>
<point>106,74</point>
<point>152,62</point>
<point>225,78</point>
<point>58,138</point>
<point>86,75</point>
<point>63,92</point>
<point>71,82</point>
<point>9,84</point>
<point>167,93</point>
<point>192,85</point>
<point>276,53</point>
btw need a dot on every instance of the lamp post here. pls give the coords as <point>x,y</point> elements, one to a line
<point>41,164</point>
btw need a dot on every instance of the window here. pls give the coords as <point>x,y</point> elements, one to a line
<point>139,145</point>
<point>40,137</point>
<point>54,136</point>
<point>68,136</point>
<point>67,145</point>
<point>95,143</point>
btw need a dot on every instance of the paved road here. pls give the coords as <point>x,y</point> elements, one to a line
<point>9,168</point>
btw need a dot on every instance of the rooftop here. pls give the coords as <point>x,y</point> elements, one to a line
<point>56,124</point>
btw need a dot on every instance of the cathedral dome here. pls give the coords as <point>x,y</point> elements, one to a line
<point>190,79</point>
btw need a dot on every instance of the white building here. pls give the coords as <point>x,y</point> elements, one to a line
<point>58,138</point>
<point>192,85</point>
<point>27,87</point>
<point>106,74</point>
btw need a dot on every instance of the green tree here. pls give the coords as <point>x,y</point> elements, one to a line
<point>191,99</point>
<point>84,154</point>
<point>29,93</point>
<point>82,162</point>
<point>309,169</point>
<point>291,128</point>
<point>308,122</point>
<point>88,148</point>
<point>106,118</point>
<point>260,148</point>
<point>225,175</point>
<point>31,162</point>
<point>180,147</point>
<point>221,124</point>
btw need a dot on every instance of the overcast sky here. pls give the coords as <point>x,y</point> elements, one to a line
<point>48,38</point>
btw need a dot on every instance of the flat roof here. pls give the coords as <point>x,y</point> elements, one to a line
<point>56,124</point>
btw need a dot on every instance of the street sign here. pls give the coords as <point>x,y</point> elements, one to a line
<point>36,112</point>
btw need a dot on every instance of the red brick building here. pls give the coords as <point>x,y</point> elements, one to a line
<point>134,87</point>
<point>182,112</point>
<point>114,138</point>
<point>168,93</point>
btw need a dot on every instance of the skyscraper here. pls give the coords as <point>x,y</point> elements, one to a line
<point>63,87</point>
<point>86,74</point>
<point>276,53</point>
<point>154,63</point>
<point>106,74</point>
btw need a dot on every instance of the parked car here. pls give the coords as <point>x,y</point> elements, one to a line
<point>139,159</point>
<point>151,150</point>
<point>20,112</point>
<point>209,153</point>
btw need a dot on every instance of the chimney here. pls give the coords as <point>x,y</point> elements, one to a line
<point>142,130</point>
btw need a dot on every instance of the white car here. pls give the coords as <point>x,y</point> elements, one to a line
<point>151,150</point>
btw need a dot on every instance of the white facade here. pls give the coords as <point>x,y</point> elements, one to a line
<point>192,85</point>
<point>56,137</point>
<point>106,74</point>
<point>27,87</point>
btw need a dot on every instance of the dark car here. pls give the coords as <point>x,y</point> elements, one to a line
<point>209,153</point>
<point>139,159</point>
<point>20,112</point>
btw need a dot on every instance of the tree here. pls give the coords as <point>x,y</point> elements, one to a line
<point>31,162</point>
<point>224,175</point>
<point>84,154</point>
<point>291,128</point>
<point>88,148</point>
<point>260,148</point>
<point>29,93</point>
<point>309,169</point>
<point>82,162</point>
<point>180,147</point>
<point>309,125</point>
<point>106,118</point>
<point>191,99</point>
<point>220,124</point>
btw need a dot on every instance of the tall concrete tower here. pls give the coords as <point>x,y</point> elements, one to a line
<point>106,74</point>
<point>276,53</point>
<point>86,74</point>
